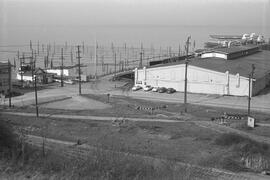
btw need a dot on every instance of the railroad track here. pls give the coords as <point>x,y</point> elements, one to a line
<point>73,150</point>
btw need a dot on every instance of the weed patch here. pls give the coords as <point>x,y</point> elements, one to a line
<point>229,139</point>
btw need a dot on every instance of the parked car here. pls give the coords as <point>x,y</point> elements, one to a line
<point>170,90</point>
<point>57,80</point>
<point>147,88</point>
<point>155,89</point>
<point>68,81</point>
<point>162,90</point>
<point>136,88</point>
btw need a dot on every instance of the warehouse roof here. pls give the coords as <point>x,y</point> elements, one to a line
<point>233,49</point>
<point>242,65</point>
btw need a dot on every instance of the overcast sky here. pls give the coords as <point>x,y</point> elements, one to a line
<point>134,12</point>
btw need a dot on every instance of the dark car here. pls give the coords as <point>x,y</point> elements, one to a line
<point>162,90</point>
<point>170,90</point>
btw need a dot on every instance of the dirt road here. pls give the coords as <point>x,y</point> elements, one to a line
<point>205,124</point>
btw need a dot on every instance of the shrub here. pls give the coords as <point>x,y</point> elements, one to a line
<point>7,137</point>
<point>243,145</point>
<point>229,139</point>
<point>231,164</point>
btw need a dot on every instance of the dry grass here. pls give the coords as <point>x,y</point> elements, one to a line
<point>243,144</point>
<point>240,148</point>
<point>34,165</point>
<point>100,165</point>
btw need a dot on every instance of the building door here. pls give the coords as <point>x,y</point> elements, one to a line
<point>226,89</point>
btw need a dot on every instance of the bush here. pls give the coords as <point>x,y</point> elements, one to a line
<point>242,144</point>
<point>231,164</point>
<point>229,139</point>
<point>7,137</point>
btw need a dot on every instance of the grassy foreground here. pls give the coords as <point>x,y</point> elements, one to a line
<point>21,161</point>
<point>226,151</point>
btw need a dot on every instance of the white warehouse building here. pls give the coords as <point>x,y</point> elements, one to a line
<point>212,75</point>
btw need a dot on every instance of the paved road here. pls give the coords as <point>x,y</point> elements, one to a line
<point>95,118</point>
<point>259,103</point>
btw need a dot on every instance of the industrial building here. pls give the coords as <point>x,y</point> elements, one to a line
<point>222,71</point>
<point>68,71</point>
<point>42,76</point>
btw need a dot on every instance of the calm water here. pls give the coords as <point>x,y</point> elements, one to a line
<point>155,39</point>
<point>132,35</point>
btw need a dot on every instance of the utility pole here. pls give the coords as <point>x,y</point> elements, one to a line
<point>9,83</point>
<point>18,55</point>
<point>114,65</point>
<point>96,60</point>
<point>160,52</point>
<point>52,63</point>
<point>120,57</point>
<point>31,47</point>
<point>125,48</point>
<point>179,50</point>
<point>47,56</point>
<point>36,95</point>
<point>32,66</point>
<point>141,56</point>
<point>22,61</point>
<point>186,66</point>
<point>79,62</point>
<point>62,58</point>
<point>71,57</point>
<point>250,86</point>
<point>35,59</point>
<point>53,47</point>
<point>38,47</point>
<point>127,57</point>
<point>44,62</point>
<point>83,46</point>
<point>14,63</point>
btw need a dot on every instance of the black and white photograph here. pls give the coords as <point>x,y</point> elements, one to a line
<point>134,89</point>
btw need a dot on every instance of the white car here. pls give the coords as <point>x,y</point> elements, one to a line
<point>57,80</point>
<point>136,88</point>
<point>155,89</point>
<point>147,88</point>
<point>69,81</point>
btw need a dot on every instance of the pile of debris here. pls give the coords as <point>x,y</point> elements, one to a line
<point>151,108</point>
<point>227,119</point>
